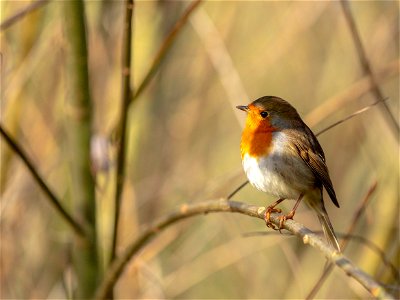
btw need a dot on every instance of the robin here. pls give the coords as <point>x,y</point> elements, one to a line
<point>282,157</point>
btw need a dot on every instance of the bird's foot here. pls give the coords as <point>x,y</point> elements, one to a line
<point>282,219</point>
<point>267,216</point>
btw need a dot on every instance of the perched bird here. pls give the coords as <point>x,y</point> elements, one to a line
<point>282,157</point>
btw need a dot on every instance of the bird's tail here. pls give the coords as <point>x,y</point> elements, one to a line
<point>328,229</point>
<point>316,202</point>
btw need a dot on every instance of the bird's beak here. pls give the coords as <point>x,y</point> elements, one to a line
<point>243,107</point>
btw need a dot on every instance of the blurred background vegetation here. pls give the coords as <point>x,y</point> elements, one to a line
<point>183,143</point>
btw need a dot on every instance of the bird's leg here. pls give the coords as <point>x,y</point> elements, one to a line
<point>271,209</point>
<point>290,215</point>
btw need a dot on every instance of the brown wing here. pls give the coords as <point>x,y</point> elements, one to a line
<point>312,154</point>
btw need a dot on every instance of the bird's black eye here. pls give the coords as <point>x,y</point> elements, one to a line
<point>264,114</point>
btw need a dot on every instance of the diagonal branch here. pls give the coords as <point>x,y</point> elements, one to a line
<point>21,13</point>
<point>355,91</point>
<point>222,205</point>
<point>345,236</point>
<point>360,111</point>
<point>343,245</point>
<point>162,52</point>
<point>366,66</point>
<point>54,201</point>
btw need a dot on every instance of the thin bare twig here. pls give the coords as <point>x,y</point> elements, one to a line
<point>349,117</point>
<point>54,201</point>
<point>129,96</point>
<point>360,210</point>
<point>366,66</point>
<point>126,96</point>
<point>222,205</point>
<point>202,266</point>
<point>373,247</point>
<point>356,217</point>
<point>21,13</point>
<point>353,237</point>
<point>219,57</point>
<point>351,93</point>
<point>166,45</point>
<point>237,190</point>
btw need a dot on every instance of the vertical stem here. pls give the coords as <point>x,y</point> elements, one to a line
<point>126,96</point>
<point>78,124</point>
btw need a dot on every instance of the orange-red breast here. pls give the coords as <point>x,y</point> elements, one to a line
<point>282,157</point>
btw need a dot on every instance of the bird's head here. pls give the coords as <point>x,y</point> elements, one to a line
<point>270,112</point>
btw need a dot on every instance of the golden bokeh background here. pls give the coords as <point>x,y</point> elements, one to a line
<point>183,143</point>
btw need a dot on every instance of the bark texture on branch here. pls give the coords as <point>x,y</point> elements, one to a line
<point>222,205</point>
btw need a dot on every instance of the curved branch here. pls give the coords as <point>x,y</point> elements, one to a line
<point>222,205</point>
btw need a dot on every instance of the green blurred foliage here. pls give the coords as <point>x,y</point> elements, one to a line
<point>184,136</point>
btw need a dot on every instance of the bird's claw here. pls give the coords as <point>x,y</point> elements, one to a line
<point>267,216</point>
<point>282,220</point>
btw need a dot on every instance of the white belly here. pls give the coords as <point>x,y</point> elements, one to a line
<point>281,175</point>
